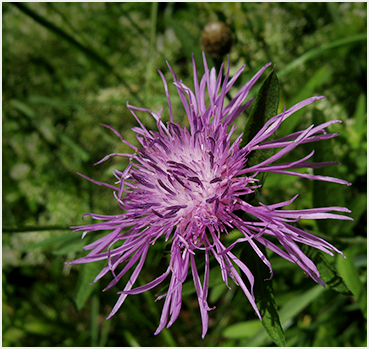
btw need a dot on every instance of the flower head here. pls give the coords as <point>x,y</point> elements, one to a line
<point>187,186</point>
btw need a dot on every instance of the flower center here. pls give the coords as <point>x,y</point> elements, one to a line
<point>186,171</point>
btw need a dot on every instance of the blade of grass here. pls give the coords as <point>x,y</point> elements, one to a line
<point>47,131</point>
<point>86,50</point>
<point>131,340</point>
<point>94,320</point>
<point>320,50</point>
<point>104,333</point>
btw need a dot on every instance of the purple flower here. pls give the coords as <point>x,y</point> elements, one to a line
<point>185,186</point>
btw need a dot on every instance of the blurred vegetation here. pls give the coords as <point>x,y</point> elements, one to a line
<point>67,67</point>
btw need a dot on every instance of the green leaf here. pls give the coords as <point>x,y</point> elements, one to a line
<point>350,275</point>
<point>84,288</point>
<point>265,107</point>
<point>328,272</point>
<point>245,329</point>
<point>264,296</point>
<point>287,313</point>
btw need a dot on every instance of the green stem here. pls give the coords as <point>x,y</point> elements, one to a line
<point>150,63</point>
<point>94,320</point>
<point>104,333</point>
<point>33,228</point>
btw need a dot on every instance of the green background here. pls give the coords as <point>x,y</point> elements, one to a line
<point>67,67</point>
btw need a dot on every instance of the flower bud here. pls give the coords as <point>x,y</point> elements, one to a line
<point>216,39</point>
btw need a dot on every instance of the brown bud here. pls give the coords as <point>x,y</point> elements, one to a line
<point>216,39</point>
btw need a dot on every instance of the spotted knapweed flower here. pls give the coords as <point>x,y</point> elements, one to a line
<point>188,185</point>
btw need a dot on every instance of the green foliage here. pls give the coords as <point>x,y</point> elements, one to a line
<point>84,290</point>
<point>351,275</point>
<point>265,107</point>
<point>67,67</point>
<point>264,295</point>
<point>328,272</point>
